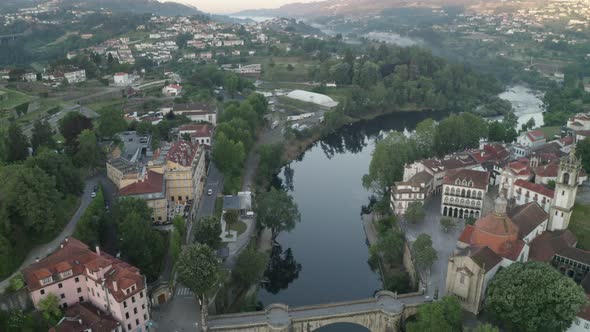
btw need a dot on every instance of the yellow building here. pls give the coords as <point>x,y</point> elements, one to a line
<point>152,189</point>
<point>122,172</point>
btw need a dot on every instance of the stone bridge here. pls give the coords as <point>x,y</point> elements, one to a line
<point>383,313</point>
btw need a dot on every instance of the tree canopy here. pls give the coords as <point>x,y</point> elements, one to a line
<point>444,316</point>
<point>424,253</point>
<point>276,210</point>
<point>533,296</point>
<point>207,230</point>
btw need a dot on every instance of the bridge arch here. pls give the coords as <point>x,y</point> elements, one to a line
<point>343,327</point>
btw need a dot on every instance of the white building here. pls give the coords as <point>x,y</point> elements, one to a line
<point>122,79</point>
<point>172,90</point>
<point>312,97</point>
<point>197,112</point>
<point>74,77</point>
<point>531,139</point>
<point>463,193</point>
<point>30,77</point>
<point>525,192</point>
<point>415,190</point>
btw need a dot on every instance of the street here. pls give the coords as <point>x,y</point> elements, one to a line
<point>45,249</point>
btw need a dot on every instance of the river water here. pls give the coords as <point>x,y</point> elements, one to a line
<point>324,259</point>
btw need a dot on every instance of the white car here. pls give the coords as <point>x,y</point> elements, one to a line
<point>93,194</point>
<point>210,192</point>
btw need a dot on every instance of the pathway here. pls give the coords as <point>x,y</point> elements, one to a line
<point>45,249</point>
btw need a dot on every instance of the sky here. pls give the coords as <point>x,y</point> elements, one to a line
<point>232,6</point>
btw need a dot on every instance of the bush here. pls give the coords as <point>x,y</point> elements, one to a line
<point>17,283</point>
<point>398,281</point>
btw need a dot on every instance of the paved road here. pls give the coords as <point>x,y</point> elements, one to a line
<point>45,249</point>
<point>207,205</point>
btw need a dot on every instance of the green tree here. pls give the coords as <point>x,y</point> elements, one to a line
<point>89,154</point>
<point>207,230</point>
<point>440,316</point>
<point>228,155</point>
<point>231,217</point>
<point>388,161</point>
<point>231,83</point>
<point>49,307</point>
<point>415,212</point>
<point>271,160</point>
<point>424,253</point>
<point>17,144</point>
<point>533,296</point>
<point>447,224</point>
<point>250,267</point>
<point>111,121</point>
<point>484,328</point>
<point>198,269</point>
<point>88,228</point>
<point>424,136</point>
<point>42,136</point>
<point>70,127</point>
<point>459,131</point>
<point>497,132</point>
<point>390,246</point>
<point>68,179</point>
<point>276,210</point>
<point>583,153</point>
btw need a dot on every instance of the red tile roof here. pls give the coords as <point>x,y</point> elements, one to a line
<point>152,183</point>
<point>182,152</point>
<point>198,130</point>
<point>538,188</point>
<point>535,135</point>
<point>82,317</point>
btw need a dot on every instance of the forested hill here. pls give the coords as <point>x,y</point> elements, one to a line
<point>136,6</point>
<point>389,78</point>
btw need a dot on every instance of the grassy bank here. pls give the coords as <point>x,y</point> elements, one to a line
<point>580,225</point>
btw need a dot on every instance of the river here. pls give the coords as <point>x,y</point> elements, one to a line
<point>324,259</point>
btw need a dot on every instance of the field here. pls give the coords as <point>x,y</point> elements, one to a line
<point>11,99</point>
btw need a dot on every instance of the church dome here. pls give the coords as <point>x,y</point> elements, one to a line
<point>495,229</point>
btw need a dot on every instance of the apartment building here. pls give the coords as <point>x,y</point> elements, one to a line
<point>75,274</point>
<point>152,189</point>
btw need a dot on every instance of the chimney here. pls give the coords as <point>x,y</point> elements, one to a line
<point>37,259</point>
<point>98,250</point>
<point>115,286</point>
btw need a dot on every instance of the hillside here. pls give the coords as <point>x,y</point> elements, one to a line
<point>349,7</point>
<point>136,6</point>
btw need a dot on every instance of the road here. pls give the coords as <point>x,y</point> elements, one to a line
<point>207,205</point>
<point>45,249</point>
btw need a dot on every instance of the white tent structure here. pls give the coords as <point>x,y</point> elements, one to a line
<point>312,97</point>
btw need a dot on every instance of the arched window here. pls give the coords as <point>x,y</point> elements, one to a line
<point>462,192</point>
<point>447,190</point>
<point>566,178</point>
<point>446,199</point>
<point>470,183</point>
<point>458,182</point>
<point>479,194</point>
<point>478,203</point>
<point>469,193</point>
<point>464,182</point>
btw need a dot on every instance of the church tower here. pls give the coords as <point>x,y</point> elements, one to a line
<point>566,187</point>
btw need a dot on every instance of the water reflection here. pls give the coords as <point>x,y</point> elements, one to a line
<point>343,327</point>
<point>282,270</point>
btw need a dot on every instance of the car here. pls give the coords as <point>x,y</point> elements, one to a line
<point>210,192</point>
<point>93,194</point>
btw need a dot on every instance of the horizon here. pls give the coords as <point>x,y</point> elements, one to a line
<point>234,6</point>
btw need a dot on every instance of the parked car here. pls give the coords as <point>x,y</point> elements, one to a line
<point>210,192</point>
<point>93,194</point>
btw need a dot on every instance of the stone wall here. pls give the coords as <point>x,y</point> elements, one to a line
<point>16,301</point>
<point>409,264</point>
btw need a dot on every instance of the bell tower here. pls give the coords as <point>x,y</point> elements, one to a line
<point>566,187</point>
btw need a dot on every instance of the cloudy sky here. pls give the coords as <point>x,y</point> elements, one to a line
<point>232,6</point>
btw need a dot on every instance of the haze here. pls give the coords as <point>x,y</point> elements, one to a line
<point>232,6</point>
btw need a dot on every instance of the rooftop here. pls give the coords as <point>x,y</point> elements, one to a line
<point>152,183</point>
<point>534,187</point>
<point>83,317</point>
<point>467,178</point>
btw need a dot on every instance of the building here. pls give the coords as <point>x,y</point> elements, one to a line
<point>127,161</point>
<point>525,192</point>
<point>151,188</point>
<point>29,77</point>
<point>122,172</point>
<point>314,98</point>
<point>201,134</point>
<point>548,172</point>
<point>76,274</point>
<point>579,122</point>
<point>183,166</point>
<point>248,69</point>
<point>531,139</point>
<point>84,317</point>
<point>438,168</point>
<point>197,112</point>
<point>566,188</point>
<point>242,202</point>
<point>495,240</point>
<point>417,189</point>
<point>76,76</point>
<point>463,193</point>
<point>516,170</point>
<point>172,90</point>
<point>122,79</point>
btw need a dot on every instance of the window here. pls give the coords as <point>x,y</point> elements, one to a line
<point>587,326</point>
<point>144,317</point>
<point>62,295</point>
<point>127,315</point>
<point>79,290</point>
<point>562,192</point>
<point>42,292</point>
<point>129,327</point>
<point>136,322</point>
<point>133,299</point>
<point>124,304</point>
<point>76,279</point>
<point>462,279</point>
<point>60,285</point>
<point>46,280</point>
<point>135,310</point>
<point>143,306</point>
<point>141,294</point>
<point>81,299</point>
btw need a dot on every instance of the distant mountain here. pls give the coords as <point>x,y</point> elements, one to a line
<point>349,7</point>
<point>136,6</point>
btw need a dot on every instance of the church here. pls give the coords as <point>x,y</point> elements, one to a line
<point>520,233</point>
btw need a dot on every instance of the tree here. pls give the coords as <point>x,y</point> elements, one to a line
<point>390,246</point>
<point>510,120</point>
<point>424,136</point>
<point>231,217</point>
<point>250,267</point>
<point>533,296</point>
<point>388,161</point>
<point>424,253</point>
<point>68,179</point>
<point>88,228</point>
<point>49,306</point>
<point>42,136</point>
<point>271,160</point>
<point>111,121</point>
<point>484,328</point>
<point>17,144</point>
<point>459,131</point>
<point>415,212</point>
<point>447,223</point>
<point>440,316</point>
<point>276,210</point>
<point>89,153</point>
<point>227,154</point>
<point>70,126</point>
<point>198,269</point>
<point>583,153</point>
<point>231,83</point>
<point>497,132</point>
<point>207,230</point>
